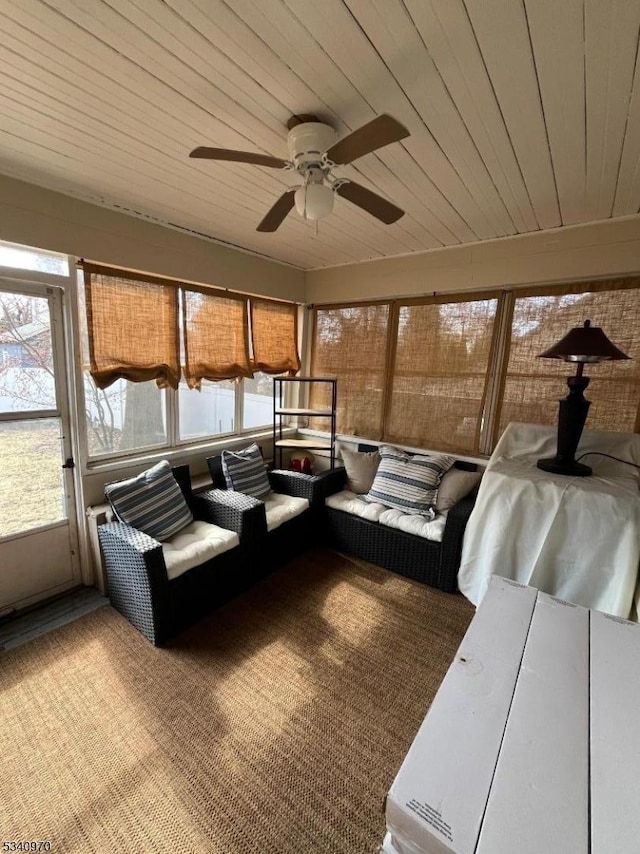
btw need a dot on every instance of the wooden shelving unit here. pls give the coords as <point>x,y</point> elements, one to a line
<point>280,412</point>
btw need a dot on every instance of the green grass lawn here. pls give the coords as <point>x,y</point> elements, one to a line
<point>30,475</point>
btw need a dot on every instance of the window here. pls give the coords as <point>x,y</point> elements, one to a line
<point>208,412</point>
<point>438,384</point>
<point>350,343</point>
<point>215,337</point>
<point>26,372</point>
<point>257,407</point>
<point>458,368</point>
<point>28,445</point>
<point>23,258</point>
<point>126,417</point>
<point>274,336</point>
<point>132,327</point>
<point>533,386</point>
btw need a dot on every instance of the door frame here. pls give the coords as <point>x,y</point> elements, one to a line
<point>59,292</point>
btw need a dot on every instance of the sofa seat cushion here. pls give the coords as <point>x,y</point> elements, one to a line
<point>195,544</point>
<point>280,508</point>
<point>349,502</point>
<point>410,523</point>
<point>417,524</point>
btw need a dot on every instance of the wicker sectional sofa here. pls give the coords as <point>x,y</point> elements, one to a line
<point>160,603</point>
<point>432,563</point>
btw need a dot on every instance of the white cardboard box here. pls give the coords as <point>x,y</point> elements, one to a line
<point>438,798</point>
<point>539,800</point>
<point>615,735</point>
<point>532,743</point>
<point>388,846</point>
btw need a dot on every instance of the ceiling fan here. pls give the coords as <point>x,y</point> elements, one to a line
<point>313,154</point>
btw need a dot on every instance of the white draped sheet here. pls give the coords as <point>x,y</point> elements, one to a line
<point>576,538</point>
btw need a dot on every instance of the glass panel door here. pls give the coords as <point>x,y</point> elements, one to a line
<point>38,554</point>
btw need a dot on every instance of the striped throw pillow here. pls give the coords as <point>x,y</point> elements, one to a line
<point>151,502</point>
<point>407,482</point>
<point>245,472</point>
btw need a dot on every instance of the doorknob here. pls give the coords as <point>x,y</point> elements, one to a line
<point>69,463</point>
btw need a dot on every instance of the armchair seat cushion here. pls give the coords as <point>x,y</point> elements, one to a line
<point>349,502</point>
<point>195,544</point>
<point>281,508</point>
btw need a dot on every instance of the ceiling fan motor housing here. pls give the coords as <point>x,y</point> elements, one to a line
<point>307,143</point>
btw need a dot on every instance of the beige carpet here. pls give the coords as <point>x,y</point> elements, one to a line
<point>276,725</point>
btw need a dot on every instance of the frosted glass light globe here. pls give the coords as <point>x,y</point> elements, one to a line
<point>314,201</point>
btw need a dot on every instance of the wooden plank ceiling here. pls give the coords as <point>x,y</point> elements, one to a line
<point>524,114</point>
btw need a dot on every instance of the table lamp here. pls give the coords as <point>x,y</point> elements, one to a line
<point>585,345</point>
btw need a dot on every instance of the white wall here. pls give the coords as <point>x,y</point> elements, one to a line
<point>596,250</point>
<point>42,218</point>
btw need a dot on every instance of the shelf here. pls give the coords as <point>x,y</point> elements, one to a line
<point>307,444</point>
<point>326,413</point>
<point>306,379</point>
<point>281,411</point>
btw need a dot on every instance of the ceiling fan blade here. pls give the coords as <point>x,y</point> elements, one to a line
<point>375,134</point>
<point>276,216</point>
<point>239,156</point>
<point>370,202</point>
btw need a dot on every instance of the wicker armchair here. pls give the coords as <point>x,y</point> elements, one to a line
<point>139,587</point>
<point>432,563</point>
<point>274,548</point>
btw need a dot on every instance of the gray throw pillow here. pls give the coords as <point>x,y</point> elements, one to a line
<point>151,502</point>
<point>245,472</point>
<point>361,468</point>
<point>455,485</point>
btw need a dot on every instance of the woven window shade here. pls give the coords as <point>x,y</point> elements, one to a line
<point>350,343</point>
<point>274,334</point>
<point>132,324</point>
<point>216,337</point>
<point>533,386</point>
<point>440,374</point>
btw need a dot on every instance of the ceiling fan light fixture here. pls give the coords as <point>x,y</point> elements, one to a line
<point>313,153</point>
<point>314,201</point>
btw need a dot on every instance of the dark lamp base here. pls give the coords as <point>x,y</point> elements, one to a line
<point>556,466</point>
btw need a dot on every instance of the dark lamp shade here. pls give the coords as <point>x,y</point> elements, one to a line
<point>584,344</point>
